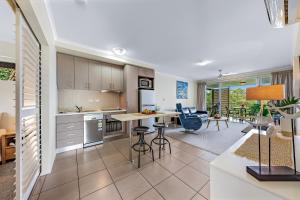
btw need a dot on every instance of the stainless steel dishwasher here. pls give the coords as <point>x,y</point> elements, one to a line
<point>93,129</point>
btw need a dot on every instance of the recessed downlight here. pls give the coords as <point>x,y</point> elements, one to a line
<point>119,51</point>
<point>204,62</point>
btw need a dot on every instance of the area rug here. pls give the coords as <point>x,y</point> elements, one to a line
<point>7,180</point>
<point>281,150</point>
<point>210,139</point>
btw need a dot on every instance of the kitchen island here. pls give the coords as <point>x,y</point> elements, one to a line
<point>129,117</point>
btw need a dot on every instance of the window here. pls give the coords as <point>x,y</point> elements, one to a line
<point>7,73</point>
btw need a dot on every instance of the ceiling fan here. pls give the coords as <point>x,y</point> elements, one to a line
<point>221,75</point>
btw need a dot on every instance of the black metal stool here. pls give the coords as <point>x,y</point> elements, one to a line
<point>160,138</point>
<point>141,144</point>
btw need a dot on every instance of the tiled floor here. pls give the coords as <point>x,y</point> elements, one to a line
<point>103,172</point>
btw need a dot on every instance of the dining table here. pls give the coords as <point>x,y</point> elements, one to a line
<point>130,117</point>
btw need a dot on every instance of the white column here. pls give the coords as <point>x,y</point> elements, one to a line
<point>220,98</point>
<point>296,86</point>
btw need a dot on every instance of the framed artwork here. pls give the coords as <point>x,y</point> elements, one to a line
<point>181,90</point>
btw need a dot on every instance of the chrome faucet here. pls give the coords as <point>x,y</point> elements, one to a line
<point>79,109</point>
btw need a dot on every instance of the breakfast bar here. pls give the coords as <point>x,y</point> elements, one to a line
<point>129,117</point>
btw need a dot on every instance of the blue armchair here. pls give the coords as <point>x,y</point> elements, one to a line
<point>188,120</point>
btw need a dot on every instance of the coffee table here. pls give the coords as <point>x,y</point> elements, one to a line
<point>224,119</point>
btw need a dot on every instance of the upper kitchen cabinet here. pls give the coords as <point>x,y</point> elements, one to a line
<point>84,74</point>
<point>65,71</point>
<point>117,78</point>
<point>95,75</point>
<point>112,77</point>
<point>106,77</point>
<point>81,73</point>
<point>145,72</point>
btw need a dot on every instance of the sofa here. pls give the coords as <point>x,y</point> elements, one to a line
<point>202,114</point>
<point>192,111</point>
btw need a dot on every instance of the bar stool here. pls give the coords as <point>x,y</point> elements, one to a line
<point>160,139</point>
<point>141,145</point>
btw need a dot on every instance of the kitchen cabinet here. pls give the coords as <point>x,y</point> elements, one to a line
<point>106,77</point>
<point>69,131</point>
<point>131,76</point>
<point>95,75</point>
<point>144,72</point>
<point>81,73</point>
<point>65,71</point>
<point>117,78</point>
<point>112,77</point>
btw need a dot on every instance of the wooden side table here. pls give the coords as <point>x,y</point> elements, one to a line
<point>224,119</point>
<point>7,151</point>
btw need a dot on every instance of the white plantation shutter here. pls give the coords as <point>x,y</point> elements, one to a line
<point>28,111</point>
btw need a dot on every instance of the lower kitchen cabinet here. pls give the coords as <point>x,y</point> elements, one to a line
<point>69,132</point>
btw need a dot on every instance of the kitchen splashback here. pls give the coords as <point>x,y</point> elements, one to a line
<point>89,100</point>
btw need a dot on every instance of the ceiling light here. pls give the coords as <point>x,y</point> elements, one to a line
<point>204,62</point>
<point>119,51</point>
<point>243,82</point>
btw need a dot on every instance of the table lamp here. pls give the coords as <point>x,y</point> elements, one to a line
<point>269,173</point>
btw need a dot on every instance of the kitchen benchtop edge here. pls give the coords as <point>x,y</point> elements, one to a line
<point>92,112</point>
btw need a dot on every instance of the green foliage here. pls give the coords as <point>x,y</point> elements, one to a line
<point>214,110</point>
<point>255,108</point>
<point>209,99</point>
<point>5,73</point>
<point>287,101</point>
<point>237,98</point>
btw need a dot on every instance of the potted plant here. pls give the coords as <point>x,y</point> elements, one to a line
<point>285,124</point>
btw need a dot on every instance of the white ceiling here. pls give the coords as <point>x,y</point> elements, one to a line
<point>174,34</point>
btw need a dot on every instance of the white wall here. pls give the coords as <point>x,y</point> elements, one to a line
<point>7,52</point>
<point>296,69</point>
<point>165,91</point>
<point>49,107</point>
<point>7,105</point>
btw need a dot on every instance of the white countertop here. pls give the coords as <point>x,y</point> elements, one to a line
<point>91,112</point>
<point>235,165</point>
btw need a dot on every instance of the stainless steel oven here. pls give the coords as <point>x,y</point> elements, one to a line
<point>93,129</point>
<point>145,83</point>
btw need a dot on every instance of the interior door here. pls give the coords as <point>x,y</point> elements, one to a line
<point>27,108</point>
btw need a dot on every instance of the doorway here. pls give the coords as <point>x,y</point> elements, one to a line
<point>7,101</point>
